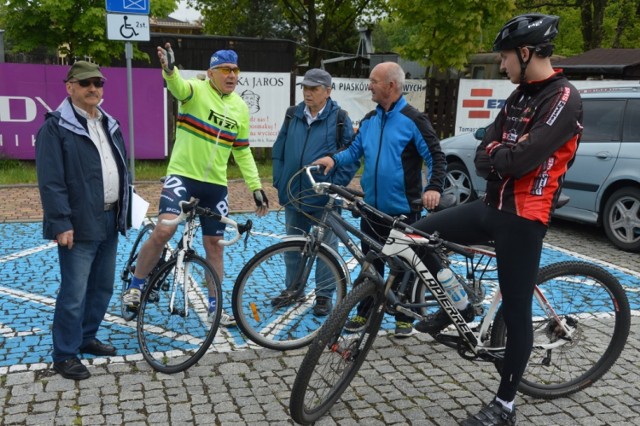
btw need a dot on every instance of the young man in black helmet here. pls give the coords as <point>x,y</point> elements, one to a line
<point>524,156</point>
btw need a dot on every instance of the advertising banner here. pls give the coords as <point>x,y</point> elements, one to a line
<point>28,91</point>
<point>479,101</point>
<point>267,96</point>
<point>353,95</point>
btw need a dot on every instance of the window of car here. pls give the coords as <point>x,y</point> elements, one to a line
<point>631,122</point>
<point>602,119</point>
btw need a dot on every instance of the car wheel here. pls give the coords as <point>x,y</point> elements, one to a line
<point>621,219</point>
<point>458,183</point>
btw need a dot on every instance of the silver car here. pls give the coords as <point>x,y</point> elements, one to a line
<point>604,182</point>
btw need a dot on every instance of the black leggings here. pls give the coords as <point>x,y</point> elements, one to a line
<point>518,245</point>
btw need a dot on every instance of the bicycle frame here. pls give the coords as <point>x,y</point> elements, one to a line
<point>399,245</point>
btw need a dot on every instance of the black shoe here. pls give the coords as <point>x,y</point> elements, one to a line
<point>323,306</point>
<point>494,414</point>
<point>72,369</point>
<point>96,347</point>
<point>286,298</point>
<point>440,320</point>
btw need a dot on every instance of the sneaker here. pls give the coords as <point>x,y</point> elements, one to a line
<point>434,323</point>
<point>355,324</point>
<point>403,329</point>
<point>286,298</point>
<point>227,320</point>
<point>494,414</point>
<point>323,306</point>
<point>131,298</point>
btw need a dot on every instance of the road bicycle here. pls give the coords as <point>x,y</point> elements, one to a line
<point>174,326</point>
<point>581,317</point>
<point>275,291</point>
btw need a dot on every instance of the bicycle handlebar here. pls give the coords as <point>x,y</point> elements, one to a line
<point>190,208</point>
<point>321,187</point>
<point>434,239</point>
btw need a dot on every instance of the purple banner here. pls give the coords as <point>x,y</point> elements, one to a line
<point>28,91</point>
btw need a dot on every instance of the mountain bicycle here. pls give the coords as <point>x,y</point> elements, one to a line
<point>581,318</point>
<point>174,325</point>
<point>274,292</point>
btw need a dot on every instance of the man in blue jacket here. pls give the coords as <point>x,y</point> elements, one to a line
<point>84,189</point>
<point>395,140</point>
<point>314,128</point>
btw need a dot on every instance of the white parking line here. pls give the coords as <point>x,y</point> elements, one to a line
<point>27,252</point>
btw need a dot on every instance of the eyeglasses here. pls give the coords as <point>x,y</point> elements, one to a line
<point>227,70</point>
<point>86,83</point>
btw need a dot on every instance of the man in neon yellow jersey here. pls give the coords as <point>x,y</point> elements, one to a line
<point>213,123</point>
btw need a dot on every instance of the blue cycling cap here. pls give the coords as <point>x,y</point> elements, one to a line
<point>223,57</point>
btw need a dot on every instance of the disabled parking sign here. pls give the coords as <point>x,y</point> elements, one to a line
<point>128,27</point>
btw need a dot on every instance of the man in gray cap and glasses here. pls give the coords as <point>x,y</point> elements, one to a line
<point>315,127</point>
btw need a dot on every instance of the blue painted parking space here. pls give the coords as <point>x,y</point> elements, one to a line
<point>29,279</point>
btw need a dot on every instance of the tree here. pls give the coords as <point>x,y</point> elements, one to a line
<point>76,28</point>
<point>590,24</point>
<point>325,27</point>
<point>443,33</point>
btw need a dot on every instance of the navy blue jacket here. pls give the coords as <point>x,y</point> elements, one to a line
<point>70,175</point>
<point>298,145</point>
<point>395,144</point>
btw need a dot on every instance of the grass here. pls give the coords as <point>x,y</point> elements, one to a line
<point>13,172</point>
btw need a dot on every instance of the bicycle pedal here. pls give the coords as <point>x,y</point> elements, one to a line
<point>449,340</point>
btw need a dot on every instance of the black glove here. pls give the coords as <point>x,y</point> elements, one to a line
<point>260,198</point>
<point>167,61</point>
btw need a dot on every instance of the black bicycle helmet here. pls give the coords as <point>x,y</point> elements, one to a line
<point>531,29</point>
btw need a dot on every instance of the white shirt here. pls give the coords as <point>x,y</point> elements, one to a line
<point>110,173</point>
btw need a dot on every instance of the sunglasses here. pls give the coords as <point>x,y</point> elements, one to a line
<point>86,83</point>
<point>227,70</point>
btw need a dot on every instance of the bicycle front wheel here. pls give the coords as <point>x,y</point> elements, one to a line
<point>129,268</point>
<point>174,326</point>
<point>335,355</point>
<point>576,346</point>
<point>286,322</point>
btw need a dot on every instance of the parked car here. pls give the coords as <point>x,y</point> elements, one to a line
<point>604,182</point>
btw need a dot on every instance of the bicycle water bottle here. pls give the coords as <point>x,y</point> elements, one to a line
<point>453,288</point>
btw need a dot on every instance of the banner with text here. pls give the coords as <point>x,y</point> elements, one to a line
<point>354,96</point>
<point>267,96</point>
<point>479,101</point>
<point>28,91</point>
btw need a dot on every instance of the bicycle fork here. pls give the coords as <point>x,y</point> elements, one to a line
<point>180,284</point>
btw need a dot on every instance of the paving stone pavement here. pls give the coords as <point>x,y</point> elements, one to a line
<point>409,382</point>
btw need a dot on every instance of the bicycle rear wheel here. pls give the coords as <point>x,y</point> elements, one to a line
<point>335,355</point>
<point>173,327</point>
<point>592,304</point>
<point>290,323</point>
<point>129,268</point>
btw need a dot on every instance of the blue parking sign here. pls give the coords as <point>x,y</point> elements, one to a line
<point>140,7</point>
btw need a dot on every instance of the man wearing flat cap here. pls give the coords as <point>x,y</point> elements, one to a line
<point>315,127</point>
<point>212,124</point>
<point>83,180</point>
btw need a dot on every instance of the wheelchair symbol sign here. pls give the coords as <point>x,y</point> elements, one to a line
<point>128,27</point>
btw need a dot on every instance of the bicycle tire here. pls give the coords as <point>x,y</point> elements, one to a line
<point>289,325</point>
<point>172,340</point>
<point>127,271</point>
<point>335,356</point>
<point>591,302</point>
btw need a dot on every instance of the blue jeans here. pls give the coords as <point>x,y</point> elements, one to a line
<point>298,224</point>
<point>87,273</point>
